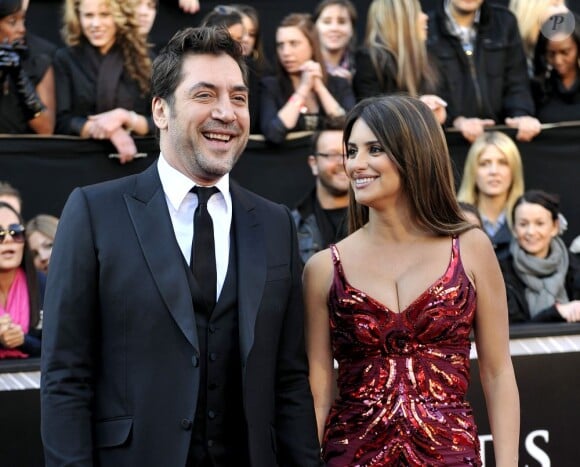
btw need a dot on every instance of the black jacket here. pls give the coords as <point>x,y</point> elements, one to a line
<point>76,88</point>
<point>366,82</point>
<point>310,225</point>
<point>274,94</point>
<point>519,311</point>
<point>491,83</point>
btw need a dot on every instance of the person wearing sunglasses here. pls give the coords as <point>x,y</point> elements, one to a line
<point>21,290</point>
<point>320,216</point>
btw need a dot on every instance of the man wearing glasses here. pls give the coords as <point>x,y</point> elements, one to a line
<point>321,216</point>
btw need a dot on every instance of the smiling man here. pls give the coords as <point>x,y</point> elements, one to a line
<point>321,215</point>
<point>160,349</point>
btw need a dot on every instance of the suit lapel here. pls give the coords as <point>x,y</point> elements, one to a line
<point>148,211</point>
<point>251,263</point>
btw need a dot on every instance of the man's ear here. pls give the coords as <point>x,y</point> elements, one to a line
<point>313,165</point>
<point>160,112</point>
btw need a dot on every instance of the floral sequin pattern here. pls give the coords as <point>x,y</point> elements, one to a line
<point>402,377</point>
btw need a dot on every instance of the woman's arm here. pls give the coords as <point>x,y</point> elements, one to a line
<point>106,123</point>
<point>492,340</point>
<point>317,277</point>
<point>44,123</point>
<point>334,104</point>
<point>271,126</point>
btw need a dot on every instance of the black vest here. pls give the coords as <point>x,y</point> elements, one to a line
<point>219,435</point>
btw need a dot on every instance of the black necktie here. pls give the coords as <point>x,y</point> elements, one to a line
<point>203,248</point>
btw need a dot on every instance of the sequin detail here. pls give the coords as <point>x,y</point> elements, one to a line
<point>402,377</point>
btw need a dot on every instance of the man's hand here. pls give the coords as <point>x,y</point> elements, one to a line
<point>472,128</point>
<point>437,105</point>
<point>528,127</point>
<point>124,144</point>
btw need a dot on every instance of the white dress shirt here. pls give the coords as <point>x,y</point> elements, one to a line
<point>182,204</point>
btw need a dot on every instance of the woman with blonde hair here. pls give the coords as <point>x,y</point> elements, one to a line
<point>40,233</point>
<point>302,94</point>
<point>394,57</point>
<point>103,74</point>
<point>492,180</point>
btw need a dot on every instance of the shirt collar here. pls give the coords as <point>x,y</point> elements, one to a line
<point>493,227</point>
<point>177,185</point>
<point>454,28</point>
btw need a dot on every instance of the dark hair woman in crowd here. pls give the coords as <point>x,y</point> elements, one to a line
<point>302,94</point>
<point>103,74</point>
<point>27,100</point>
<point>335,22</point>
<point>556,87</point>
<point>542,277</point>
<point>395,302</point>
<point>226,17</point>
<point>258,64</point>
<point>21,290</point>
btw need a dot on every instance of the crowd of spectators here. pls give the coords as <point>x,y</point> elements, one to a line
<point>476,64</point>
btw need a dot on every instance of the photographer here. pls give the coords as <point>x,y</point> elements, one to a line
<point>27,95</point>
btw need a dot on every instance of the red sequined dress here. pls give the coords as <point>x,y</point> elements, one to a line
<point>402,377</point>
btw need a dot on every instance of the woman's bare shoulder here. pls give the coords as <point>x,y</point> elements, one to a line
<point>319,263</point>
<point>477,253</point>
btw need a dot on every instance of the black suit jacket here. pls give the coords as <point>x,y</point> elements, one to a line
<point>120,373</point>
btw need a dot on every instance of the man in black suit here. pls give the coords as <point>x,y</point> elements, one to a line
<point>139,367</point>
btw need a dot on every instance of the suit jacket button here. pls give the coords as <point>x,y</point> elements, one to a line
<point>186,424</point>
<point>213,356</point>
<point>195,361</point>
<point>211,414</point>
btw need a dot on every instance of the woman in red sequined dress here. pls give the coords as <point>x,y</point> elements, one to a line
<point>401,294</point>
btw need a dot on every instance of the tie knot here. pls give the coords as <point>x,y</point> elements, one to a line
<point>204,193</point>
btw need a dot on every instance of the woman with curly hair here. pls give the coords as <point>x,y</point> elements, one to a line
<point>103,84</point>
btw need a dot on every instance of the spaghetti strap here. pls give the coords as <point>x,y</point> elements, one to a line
<point>338,271</point>
<point>334,253</point>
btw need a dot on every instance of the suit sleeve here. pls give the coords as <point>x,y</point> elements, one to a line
<point>69,339</point>
<point>67,123</point>
<point>270,103</point>
<point>295,421</point>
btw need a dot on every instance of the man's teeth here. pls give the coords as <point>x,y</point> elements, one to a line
<point>218,136</point>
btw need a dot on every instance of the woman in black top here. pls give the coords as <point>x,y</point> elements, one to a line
<point>103,74</point>
<point>27,97</point>
<point>542,277</point>
<point>394,56</point>
<point>258,64</point>
<point>302,94</point>
<point>556,87</point>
